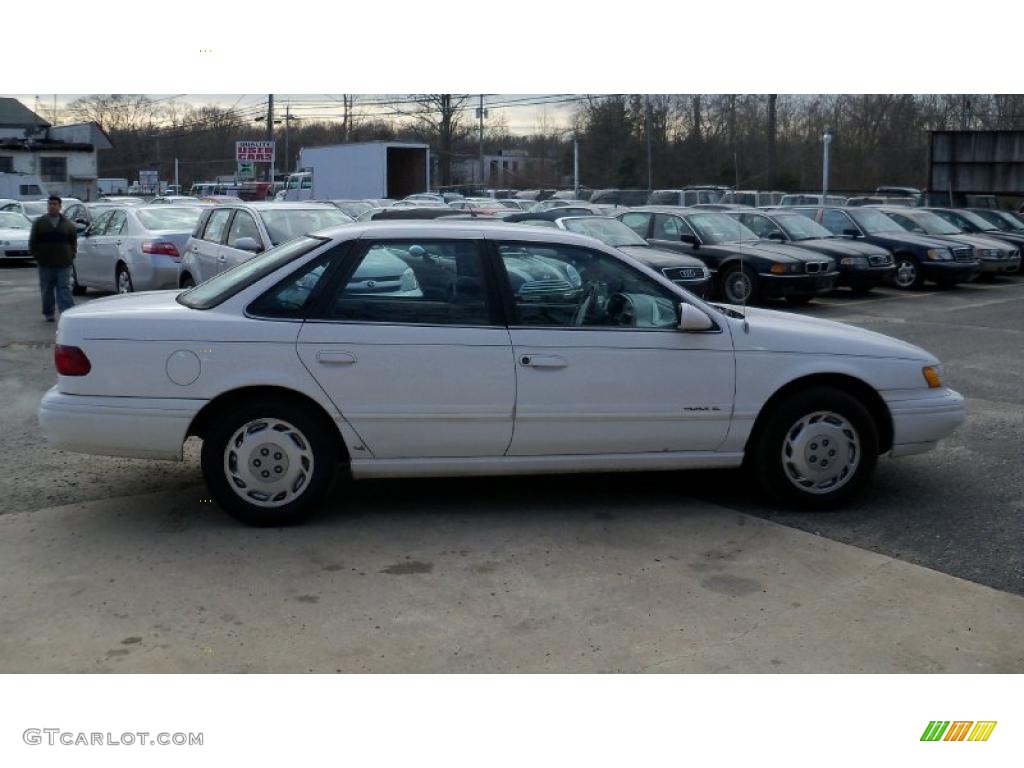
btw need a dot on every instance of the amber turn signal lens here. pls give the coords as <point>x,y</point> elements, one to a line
<point>931,375</point>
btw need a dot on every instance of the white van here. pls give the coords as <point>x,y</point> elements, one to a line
<point>21,186</point>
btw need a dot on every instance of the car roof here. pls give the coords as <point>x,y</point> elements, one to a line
<point>436,227</point>
<point>261,205</point>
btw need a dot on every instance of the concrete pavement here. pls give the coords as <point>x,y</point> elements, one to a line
<point>167,583</point>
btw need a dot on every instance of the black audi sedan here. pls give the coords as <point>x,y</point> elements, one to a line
<point>862,266</point>
<point>918,257</point>
<point>744,267</point>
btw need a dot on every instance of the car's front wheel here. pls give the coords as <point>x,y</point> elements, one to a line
<point>908,273</point>
<point>187,281</point>
<point>76,289</point>
<point>123,280</point>
<point>268,462</point>
<point>739,285</point>
<point>816,449</point>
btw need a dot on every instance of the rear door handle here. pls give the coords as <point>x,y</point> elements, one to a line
<point>335,358</point>
<point>543,361</point>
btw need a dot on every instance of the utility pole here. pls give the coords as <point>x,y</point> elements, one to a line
<point>287,125</point>
<point>647,136</point>
<point>177,186</point>
<point>482,165</point>
<point>270,134</point>
<point>772,99</point>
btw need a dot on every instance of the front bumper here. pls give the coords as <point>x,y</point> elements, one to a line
<point>950,271</point>
<point>862,277</point>
<point>778,286</point>
<point>144,428</point>
<point>920,418</point>
<point>15,252</point>
<point>990,266</point>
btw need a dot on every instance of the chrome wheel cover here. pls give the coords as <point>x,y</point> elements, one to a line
<point>124,282</point>
<point>268,462</point>
<point>738,287</point>
<point>906,273</point>
<point>821,452</point>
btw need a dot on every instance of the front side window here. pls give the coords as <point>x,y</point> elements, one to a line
<point>668,227</point>
<point>422,282</point>
<point>717,228</point>
<point>761,226</point>
<point>216,225</point>
<point>567,287</point>
<point>638,222</point>
<point>117,222</point>
<point>908,223</point>
<point>875,222</point>
<point>243,225</point>
<point>836,222</point>
<point>99,226</point>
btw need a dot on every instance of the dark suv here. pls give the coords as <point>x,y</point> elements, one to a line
<point>862,266</point>
<point>918,257</point>
<point>744,267</point>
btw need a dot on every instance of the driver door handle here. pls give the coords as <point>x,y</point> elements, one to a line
<point>543,361</point>
<point>335,358</point>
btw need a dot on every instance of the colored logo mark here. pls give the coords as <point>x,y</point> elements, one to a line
<point>958,730</point>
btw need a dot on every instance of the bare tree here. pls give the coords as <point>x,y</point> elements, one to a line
<point>439,116</point>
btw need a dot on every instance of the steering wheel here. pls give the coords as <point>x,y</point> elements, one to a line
<point>621,310</point>
<point>581,312</point>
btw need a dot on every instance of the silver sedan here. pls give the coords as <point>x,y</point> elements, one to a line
<point>134,248</point>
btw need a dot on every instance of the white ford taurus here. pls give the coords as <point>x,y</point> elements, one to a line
<point>444,348</point>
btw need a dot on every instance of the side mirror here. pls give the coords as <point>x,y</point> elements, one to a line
<point>851,232</point>
<point>689,239</point>
<point>248,244</point>
<point>81,227</point>
<point>776,235</point>
<point>693,320</point>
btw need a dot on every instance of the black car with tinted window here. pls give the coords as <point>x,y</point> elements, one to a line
<point>976,222</point>
<point>862,266</point>
<point>744,268</point>
<point>918,257</point>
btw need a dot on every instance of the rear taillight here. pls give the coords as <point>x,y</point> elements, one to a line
<point>71,361</point>
<point>161,247</point>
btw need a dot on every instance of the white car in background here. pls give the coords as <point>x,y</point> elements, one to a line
<point>294,363</point>
<point>228,234</point>
<point>14,231</point>
<point>133,248</point>
<point>33,209</point>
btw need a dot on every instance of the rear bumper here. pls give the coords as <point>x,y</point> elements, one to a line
<point>144,428</point>
<point>920,418</point>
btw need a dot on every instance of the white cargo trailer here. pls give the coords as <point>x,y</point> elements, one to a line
<point>373,169</point>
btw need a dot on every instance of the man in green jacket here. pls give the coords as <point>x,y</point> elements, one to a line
<point>53,243</point>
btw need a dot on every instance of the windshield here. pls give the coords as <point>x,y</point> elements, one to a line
<point>874,222</point>
<point>1002,221</point>
<point>225,285</point>
<point>183,219</point>
<point>799,227</point>
<point>933,225</point>
<point>609,231</point>
<point>716,228</point>
<point>976,220</point>
<point>288,223</point>
<point>13,220</point>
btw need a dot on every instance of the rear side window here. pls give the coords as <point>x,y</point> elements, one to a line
<point>423,282</point>
<point>668,227</point>
<point>216,224</point>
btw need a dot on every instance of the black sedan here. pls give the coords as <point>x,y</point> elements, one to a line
<point>918,257</point>
<point>744,267</point>
<point>862,266</point>
<point>996,256</point>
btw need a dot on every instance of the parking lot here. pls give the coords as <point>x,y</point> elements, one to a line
<point>122,565</point>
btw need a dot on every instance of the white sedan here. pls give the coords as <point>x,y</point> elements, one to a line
<point>14,231</point>
<point>521,351</point>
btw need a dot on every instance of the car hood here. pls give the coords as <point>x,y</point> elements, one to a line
<point>14,234</point>
<point>841,246</point>
<point>1014,238</point>
<point>768,249</point>
<point>774,331</point>
<point>980,241</point>
<point>659,259</point>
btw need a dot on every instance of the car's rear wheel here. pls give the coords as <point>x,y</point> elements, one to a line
<point>187,281</point>
<point>268,462</point>
<point>123,280</point>
<point>908,273</point>
<point>739,285</point>
<point>816,450</point>
<point>76,289</point>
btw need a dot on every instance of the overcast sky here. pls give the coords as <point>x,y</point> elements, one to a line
<point>521,118</point>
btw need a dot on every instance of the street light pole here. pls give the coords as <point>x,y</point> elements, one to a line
<point>270,134</point>
<point>482,165</point>
<point>576,167</point>
<point>827,142</point>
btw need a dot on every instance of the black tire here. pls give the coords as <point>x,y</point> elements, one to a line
<point>798,301</point>
<point>187,281</point>
<point>731,280</point>
<point>76,289</point>
<point>316,441</point>
<point>766,449</point>
<point>122,271</point>
<point>908,275</point>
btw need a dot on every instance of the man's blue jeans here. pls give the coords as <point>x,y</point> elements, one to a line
<point>55,280</point>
